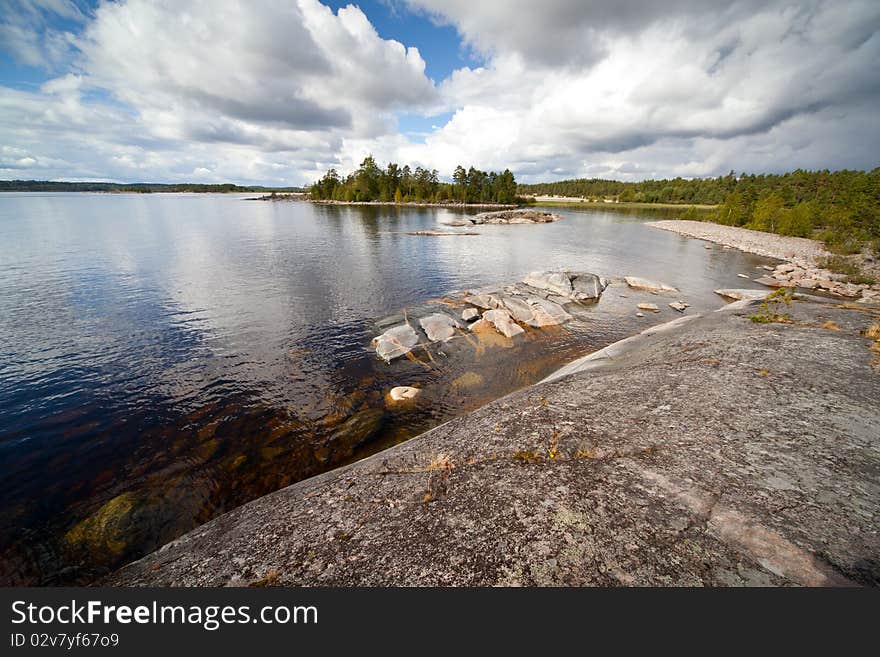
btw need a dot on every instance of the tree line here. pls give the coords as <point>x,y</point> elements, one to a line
<point>370,182</point>
<point>841,208</point>
<point>139,188</point>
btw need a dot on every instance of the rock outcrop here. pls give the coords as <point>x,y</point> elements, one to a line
<point>514,217</point>
<point>538,301</point>
<point>753,461</point>
<point>638,283</point>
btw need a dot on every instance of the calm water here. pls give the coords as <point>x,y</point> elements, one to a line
<point>164,358</point>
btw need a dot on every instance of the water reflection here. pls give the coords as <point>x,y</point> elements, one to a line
<point>164,358</point>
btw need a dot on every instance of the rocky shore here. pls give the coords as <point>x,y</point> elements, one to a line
<point>720,451</point>
<point>537,301</point>
<point>520,216</point>
<point>803,258</point>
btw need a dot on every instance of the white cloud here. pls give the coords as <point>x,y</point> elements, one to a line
<point>665,85</point>
<point>277,91</point>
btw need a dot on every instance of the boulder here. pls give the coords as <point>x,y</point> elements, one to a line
<point>469,314</point>
<point>555,282</point>
<point>587,286</point>
<point>395,342</point>
<point>403,393</point>
<point>439,327</point>
<point>651,286</point>
<point>740,294</point>
<point>485,301</point>
<point>519,309</point>
<point>547,313</point>
<point>502,321</point>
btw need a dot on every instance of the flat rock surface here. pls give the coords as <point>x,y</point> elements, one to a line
<point>799,249</point>
<point>717,452</point>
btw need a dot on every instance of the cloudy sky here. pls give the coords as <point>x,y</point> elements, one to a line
<point>277,91</point>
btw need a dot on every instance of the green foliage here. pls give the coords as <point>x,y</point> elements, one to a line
<point>769,310</point>
<point>840,207</point>
<point>372,183</point>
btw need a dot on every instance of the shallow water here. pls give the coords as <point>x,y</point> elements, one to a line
<point>164,358</point>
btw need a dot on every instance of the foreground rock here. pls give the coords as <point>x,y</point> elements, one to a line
<point>439,327</point>
<point>637,283</point>
<point>538,301</point>
<point>395,342</point>
<point>403,393</point>
<point>752,459</point>
<point>503,322</point>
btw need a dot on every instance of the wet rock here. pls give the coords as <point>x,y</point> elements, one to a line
<point>439,327</point>
<point>502,321</point>
<point>481,325</point>
<point>587,286</point>
<point>645,284</point>
<point>555,282</point>
<point>485,301</point>
<point>468,380</point>
<point>743,276</point>
<point>679,306</point>
<point>469,314</point>
<point>649,306</point>
<point>403,393</point>
<point>395,342</point>
<point>519,310</point>
<point>739,294</point>
<point>547,313</point>
<point>773,282</point>
<point>352,433</point>
<point>640,314</point>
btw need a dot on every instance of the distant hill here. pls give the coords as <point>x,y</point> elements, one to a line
<point>140,188</point>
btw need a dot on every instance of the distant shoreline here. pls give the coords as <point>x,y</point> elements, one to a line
<point>406,204</point>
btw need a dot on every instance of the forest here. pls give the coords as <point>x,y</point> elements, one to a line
<point>842,208</point>
<point>397,184</point>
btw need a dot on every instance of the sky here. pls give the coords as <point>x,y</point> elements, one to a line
<point>275,92</point>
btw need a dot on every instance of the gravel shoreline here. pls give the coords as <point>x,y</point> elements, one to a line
<point>799,250</point>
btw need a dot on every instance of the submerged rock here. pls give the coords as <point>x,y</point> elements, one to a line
<point>503,323</point>
<point>547,313</point>
<point>439,327</point>
<point>645,284</point>
<point>395,342</point>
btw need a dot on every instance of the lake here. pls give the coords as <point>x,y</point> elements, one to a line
<point>165,358</point>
